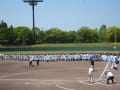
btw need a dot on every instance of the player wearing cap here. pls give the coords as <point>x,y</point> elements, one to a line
<point>110,76</point>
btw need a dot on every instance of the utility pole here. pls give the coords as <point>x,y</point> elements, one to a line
<point>33,3</point>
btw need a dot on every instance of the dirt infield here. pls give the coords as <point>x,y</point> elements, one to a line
<point>17,75</point>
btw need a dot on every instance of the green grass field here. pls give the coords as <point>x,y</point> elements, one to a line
<point>64,45</point>
<point>94,48</point>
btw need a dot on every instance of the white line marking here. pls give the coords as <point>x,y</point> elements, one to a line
<point>98,83</point>
<point>86,83</point>
<point>117,75</point>
<point>94,83</point>
<point>117,84</point>
<point>77,78</point>
<point>103,71</point>
<point>63,87</point>
<point>28,83</point>
<point>104,84</point>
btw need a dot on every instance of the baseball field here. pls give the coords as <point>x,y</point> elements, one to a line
<point>61,75</point>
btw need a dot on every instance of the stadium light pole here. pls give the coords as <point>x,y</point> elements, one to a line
<point>115,47</point>
<point>33,3</point>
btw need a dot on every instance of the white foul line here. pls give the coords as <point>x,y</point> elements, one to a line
<point>103,71</point>
<point>63,87</point>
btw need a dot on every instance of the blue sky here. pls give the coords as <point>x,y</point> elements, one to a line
<point>63,14</point>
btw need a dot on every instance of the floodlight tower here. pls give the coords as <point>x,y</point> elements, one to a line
<point>115,47</point>
<point>33,3</point>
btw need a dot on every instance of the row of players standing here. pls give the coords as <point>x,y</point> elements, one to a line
<point>63,57</point>
<point>77,57</point>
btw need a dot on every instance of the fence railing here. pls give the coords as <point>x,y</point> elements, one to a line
<point>81,48</point>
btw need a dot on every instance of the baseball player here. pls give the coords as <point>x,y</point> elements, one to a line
<point>114,66</point>
<point>90,73</point>
<point>30,60</point>
<point>110,76</point>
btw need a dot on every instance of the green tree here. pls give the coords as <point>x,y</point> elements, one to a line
<point>71,37</point>
<point>10,36</point>
<point>110,34</point>
<point>6,33</point>
<point>54,35</point>
<point>23,35</point>
<point>3,29</point>
<point>3,24</point>
<point>40,35</point>
<point>87,35</point>
<point>102,32</point>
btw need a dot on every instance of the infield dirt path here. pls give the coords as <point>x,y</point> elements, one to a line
<point>16,75</point>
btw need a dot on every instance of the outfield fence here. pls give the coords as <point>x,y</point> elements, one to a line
<point>81,48</point>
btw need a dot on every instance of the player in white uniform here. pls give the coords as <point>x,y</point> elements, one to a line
<point>90,73</point>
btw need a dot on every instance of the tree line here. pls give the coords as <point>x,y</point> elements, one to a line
<point>23,35</point>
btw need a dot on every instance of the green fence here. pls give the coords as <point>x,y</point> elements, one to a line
<point>83,48</point>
